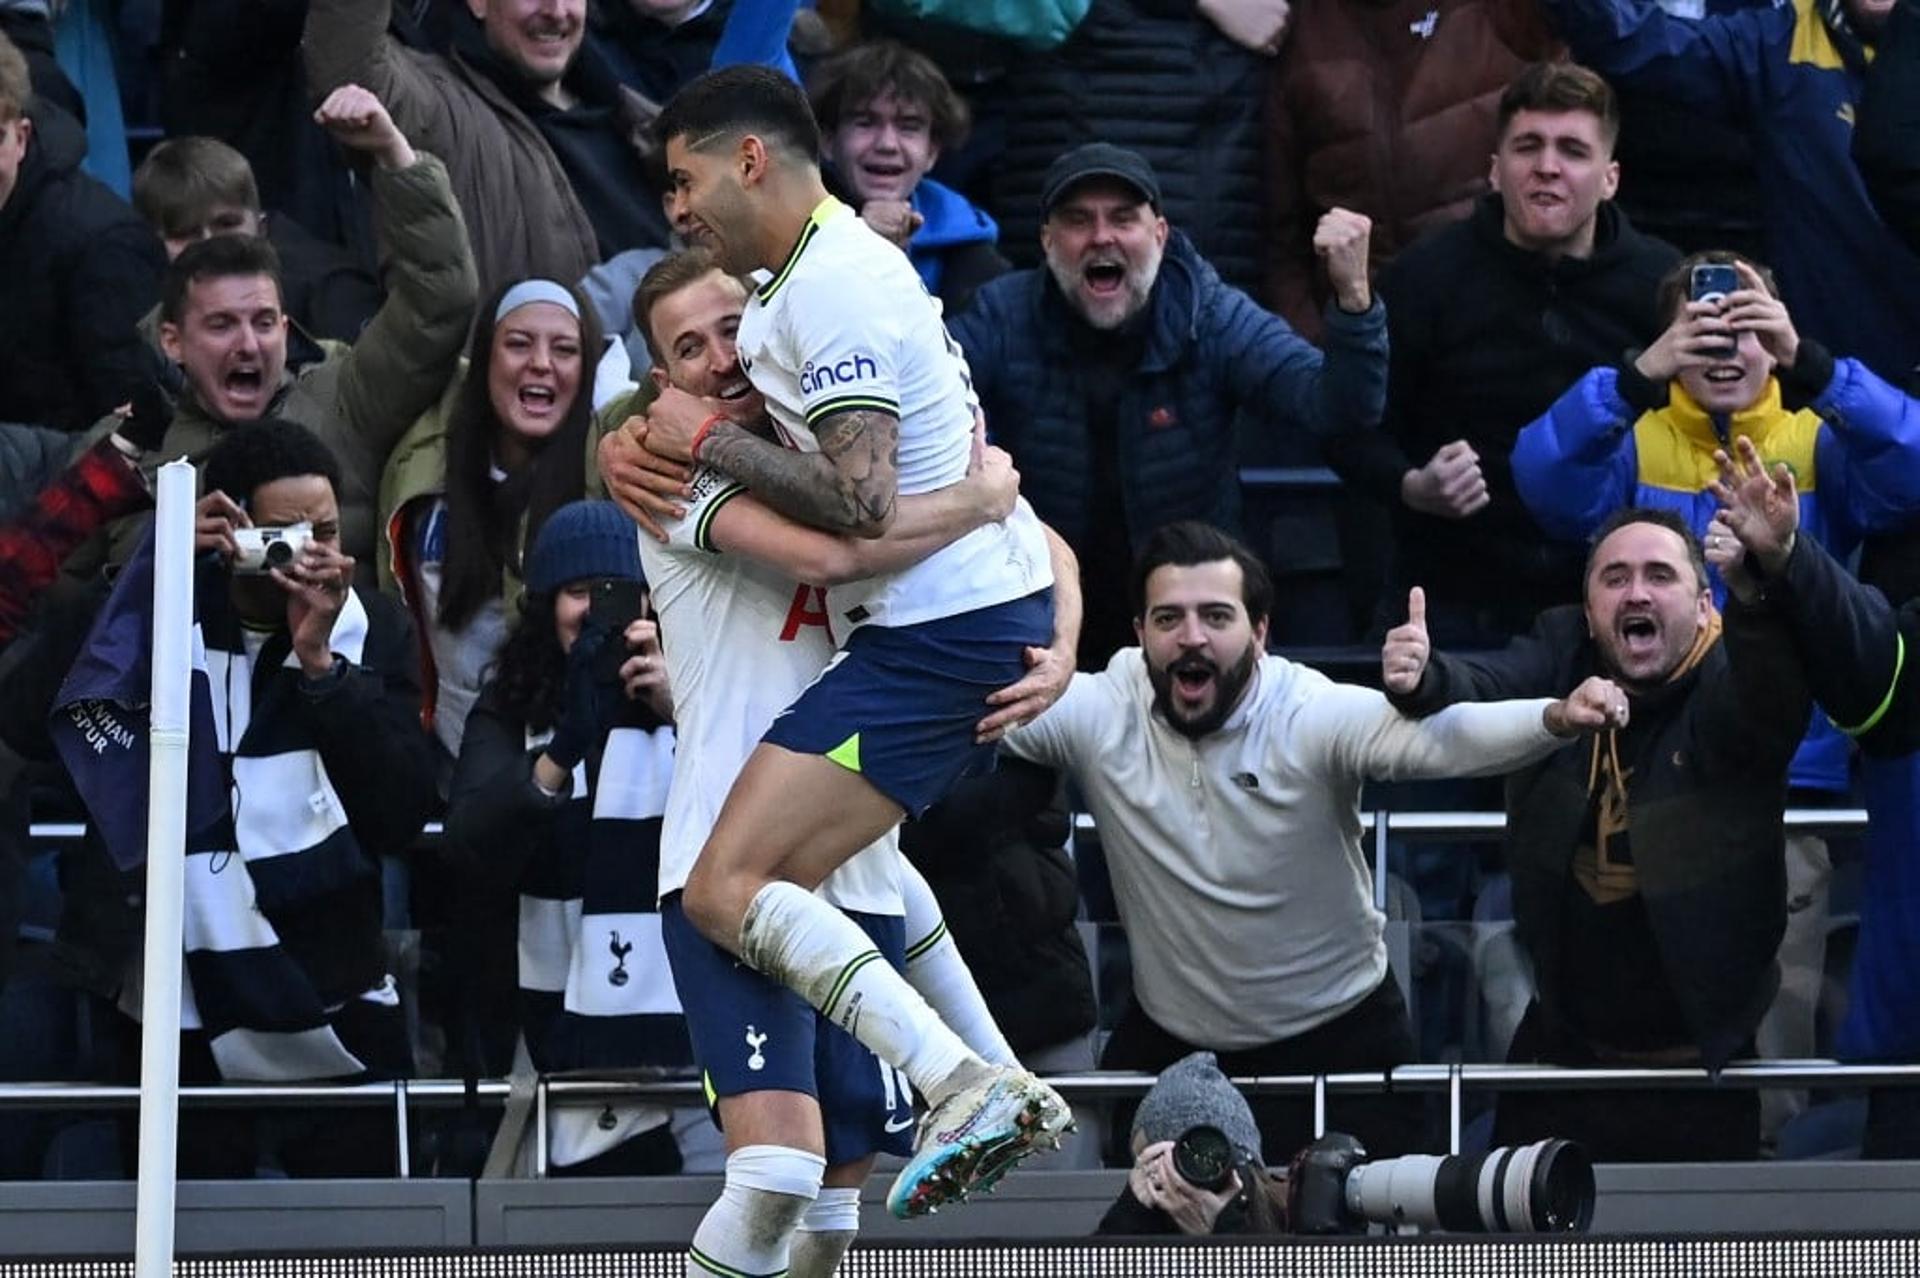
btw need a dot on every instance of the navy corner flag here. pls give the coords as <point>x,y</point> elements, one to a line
<point>100,721</point>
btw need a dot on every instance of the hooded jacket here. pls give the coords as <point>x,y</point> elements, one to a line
<point>80,269</point>
<point>1704,765</point>
<point>955,250</point>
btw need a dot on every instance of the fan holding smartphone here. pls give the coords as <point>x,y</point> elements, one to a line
<point>629,657</point>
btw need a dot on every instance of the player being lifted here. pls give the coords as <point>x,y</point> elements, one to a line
<point>804,1106</point>
<point>871,400</point>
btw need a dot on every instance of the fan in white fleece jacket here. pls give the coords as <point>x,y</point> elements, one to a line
<point>1236,856</point>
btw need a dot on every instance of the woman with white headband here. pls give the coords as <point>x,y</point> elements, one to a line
<point>467,490</point>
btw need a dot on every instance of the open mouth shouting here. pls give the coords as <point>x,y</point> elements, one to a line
<point>538,399</point>
<point>1193,680</point>
<point>1640,637</point>
<point>244,390</point>
<point>1105,277</point>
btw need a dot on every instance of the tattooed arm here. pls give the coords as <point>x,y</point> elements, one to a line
<point>850,486</point>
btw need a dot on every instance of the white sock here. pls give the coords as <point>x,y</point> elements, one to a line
<point>812,948</point>
<point>825,1233</point>
<point>935,968</point>
<point>748,1232</point>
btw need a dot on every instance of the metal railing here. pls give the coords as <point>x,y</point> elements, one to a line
<point>1381,825</point>
<point>1454,1080</point>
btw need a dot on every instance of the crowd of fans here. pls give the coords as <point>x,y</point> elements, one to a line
<point>406,275</point>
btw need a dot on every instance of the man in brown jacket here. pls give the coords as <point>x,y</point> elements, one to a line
<point>542,143</point>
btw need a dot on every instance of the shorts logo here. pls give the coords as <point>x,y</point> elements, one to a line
<point>758,1060</point>
<point>853,368</point>
<point>899,1096</point>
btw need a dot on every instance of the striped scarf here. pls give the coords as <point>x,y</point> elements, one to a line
<point>284,848</point>
<point>595,989</point>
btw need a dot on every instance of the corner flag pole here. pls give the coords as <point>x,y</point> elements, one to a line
<point>166,860</point>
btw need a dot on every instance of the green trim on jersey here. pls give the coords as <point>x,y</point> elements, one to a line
<point>703,529</point>
<point>822,211</point>
<point>850,404</point>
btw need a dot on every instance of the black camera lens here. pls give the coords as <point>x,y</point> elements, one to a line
<point>1204,1157</point>
<point>277,554</point>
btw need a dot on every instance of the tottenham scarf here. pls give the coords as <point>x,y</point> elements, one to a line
<point>267,833</point>
<point>595,990</point>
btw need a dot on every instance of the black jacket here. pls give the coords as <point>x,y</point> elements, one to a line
<point>1486,335</point>
<point>1859,650</point>
<point>80,269</point>
<point>1706,761</point>
<point>1154,76</point>
<point>991,850</point>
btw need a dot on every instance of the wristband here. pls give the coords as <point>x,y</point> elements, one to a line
<point>700,436</point>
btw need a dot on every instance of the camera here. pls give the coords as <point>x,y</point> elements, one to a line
<point>1545,1187</point>
<point>1204,1157</point>
<point>1714,282</point>
<point>260,550</point>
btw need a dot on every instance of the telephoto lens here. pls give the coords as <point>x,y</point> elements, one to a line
<point>1542,1188</point>
<point>1204,1157</point>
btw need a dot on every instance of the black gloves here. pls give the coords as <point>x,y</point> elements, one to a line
<point>587,705</point>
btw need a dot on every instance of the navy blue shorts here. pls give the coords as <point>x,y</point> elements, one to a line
<point>899,704</point>
<point>753,1034</point>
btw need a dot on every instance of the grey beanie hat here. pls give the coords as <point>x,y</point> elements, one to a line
<point>1192,1092</point>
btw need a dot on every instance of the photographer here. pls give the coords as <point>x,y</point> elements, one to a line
<point>1196,1161</point>
<point>557,796</point>
<point>308,768</point>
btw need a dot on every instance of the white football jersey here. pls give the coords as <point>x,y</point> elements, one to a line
<point>846,324</point>
<point>742,642</point>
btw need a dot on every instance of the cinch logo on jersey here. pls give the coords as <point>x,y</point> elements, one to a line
<point>854,368</point>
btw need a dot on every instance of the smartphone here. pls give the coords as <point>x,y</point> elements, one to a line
<point>615,605</point>
<point>1714,282</point>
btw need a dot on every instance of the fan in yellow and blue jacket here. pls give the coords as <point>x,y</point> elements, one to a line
<point>1620,438</point>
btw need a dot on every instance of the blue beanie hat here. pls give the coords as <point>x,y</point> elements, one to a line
<point>582,540</point>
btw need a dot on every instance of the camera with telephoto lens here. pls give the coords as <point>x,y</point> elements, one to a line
<point>1542,1188</point>
<point>260,550</point>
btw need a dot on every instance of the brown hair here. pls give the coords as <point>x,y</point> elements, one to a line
<point>16,82</point>
<point>221,257</point>
<point>1677,284</point>
<point>183,180</point>
<point>1560,87</point>
<point>664,278</point>
<point>849,80</point>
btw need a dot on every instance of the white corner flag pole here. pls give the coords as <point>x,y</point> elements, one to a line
<point>166,859</point>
